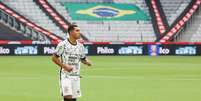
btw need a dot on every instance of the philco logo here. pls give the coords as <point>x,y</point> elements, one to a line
<point>105,12</point>
<point>164,50</point>
<point>4,50</point>
<point>49,50</point>
<point>105,50</point>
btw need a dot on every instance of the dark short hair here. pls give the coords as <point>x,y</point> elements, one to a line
<point>71,27</point>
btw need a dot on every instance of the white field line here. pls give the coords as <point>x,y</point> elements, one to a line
<point>111,77</point>
<point>141,78</point>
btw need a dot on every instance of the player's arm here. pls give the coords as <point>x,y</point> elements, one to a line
<point>57,61</point>
<point>86,61</point>
<point>83,57</point>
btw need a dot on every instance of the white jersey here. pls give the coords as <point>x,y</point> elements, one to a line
<point>71,54</point>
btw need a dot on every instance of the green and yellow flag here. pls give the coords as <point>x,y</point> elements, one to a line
<point>99,12</point>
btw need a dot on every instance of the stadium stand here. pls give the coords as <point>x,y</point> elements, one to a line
<point>101,29</point>
<point>181,22</point>
<point>140,3</point>
<point>87,1</point>
<point>192,31</point>
<point>104,20</point>
<point>117,31</point>
<point>12,29</point>
<point>8,28</point>
<point>32,11</point>
<point>57,5</point>
<point>56,15</point>
<point>173,8</point>
<point>53,14</point>
<point>10,34</point>
<point>110,30</point>
<point>25,26</point>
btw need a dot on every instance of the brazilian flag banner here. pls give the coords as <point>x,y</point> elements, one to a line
<point>99,12</point>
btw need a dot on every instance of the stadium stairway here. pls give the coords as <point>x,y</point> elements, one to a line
<point>53,14</point>
<point>57,5</point>
<point>160,27</point>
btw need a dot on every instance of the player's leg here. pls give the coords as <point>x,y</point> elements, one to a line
<point>76,87</point>
<point>68,98</point>
<point>68,95</point>
<point>70,88</point>
<point>66,88</point>
<point>74,99</point>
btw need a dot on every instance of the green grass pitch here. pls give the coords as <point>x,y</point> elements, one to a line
<point>112,78</point>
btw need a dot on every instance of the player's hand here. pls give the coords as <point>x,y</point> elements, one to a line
<point>86,62</point>
<point>89,63</point>
<point>67,68</point>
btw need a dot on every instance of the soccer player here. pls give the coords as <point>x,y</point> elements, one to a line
<point>67,56</point>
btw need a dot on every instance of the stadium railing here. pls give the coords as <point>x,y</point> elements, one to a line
<point>53,14</point>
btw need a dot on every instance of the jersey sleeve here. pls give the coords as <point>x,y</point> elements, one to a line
<point>59,49</point>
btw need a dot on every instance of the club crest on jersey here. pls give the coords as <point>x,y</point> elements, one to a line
<point>105,12</point>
